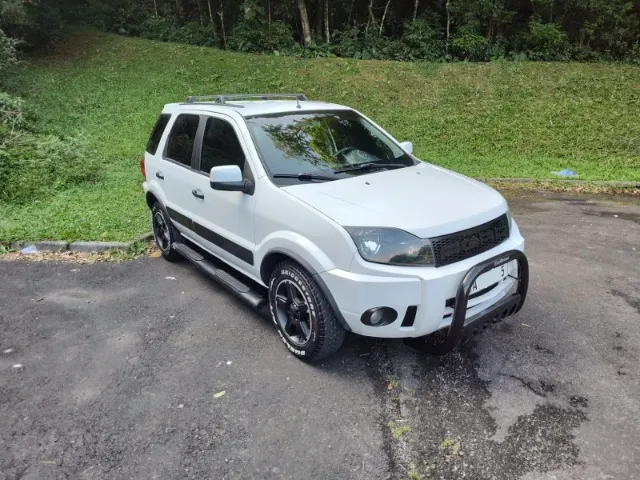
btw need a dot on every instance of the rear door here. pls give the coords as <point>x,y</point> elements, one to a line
<point>224,221</point>
<point>175,170</point>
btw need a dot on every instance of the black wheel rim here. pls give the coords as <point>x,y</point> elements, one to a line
<point>292,312</point>
<point>161,232</point>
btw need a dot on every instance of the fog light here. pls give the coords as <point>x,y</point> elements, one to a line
<point>379,316</point>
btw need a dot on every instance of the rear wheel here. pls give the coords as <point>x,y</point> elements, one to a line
<point>164,233</point>
<point>302,314</point>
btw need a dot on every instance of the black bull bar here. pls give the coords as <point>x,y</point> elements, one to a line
<point>443,341</point>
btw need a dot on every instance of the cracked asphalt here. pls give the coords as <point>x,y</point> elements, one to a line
<point>110,371</point>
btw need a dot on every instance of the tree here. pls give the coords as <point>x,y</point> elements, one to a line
<point>304,20</point>
<point>586,29</point>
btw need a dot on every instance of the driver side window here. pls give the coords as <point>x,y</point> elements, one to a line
<point>220,146</point>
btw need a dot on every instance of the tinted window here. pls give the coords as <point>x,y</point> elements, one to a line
<point>154,140</point>
<point>182,138</point>
<point>220,146</point>
<point>322,142</point>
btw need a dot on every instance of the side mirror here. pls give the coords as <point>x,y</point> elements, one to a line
<point>407,147</point>
<point>229,179</point>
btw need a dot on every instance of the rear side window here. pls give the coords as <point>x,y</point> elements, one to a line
<point>154,140</point>
<point>181,139</point>
<point>220,146</point>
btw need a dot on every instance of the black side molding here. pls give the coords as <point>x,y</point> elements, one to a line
<point>180,218</point>
<point>230,246</point>
<point>460,325</point>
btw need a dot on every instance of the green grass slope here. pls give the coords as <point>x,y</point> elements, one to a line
<point>487,120</point>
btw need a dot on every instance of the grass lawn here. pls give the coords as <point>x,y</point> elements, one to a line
<point>484,120</point>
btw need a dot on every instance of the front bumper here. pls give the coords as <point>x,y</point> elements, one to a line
<point>463,326</point>
<point>428,295</point>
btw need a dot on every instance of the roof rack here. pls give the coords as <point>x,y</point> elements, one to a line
<point>223,99</point>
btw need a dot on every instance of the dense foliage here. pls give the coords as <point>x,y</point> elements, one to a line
<point>33,164</point>
<point>474,30</point>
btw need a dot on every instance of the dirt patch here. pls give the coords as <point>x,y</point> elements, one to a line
<point>515,189</point>
<point>67,50</point>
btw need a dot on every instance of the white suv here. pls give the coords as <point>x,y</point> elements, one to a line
<point>316,210</point>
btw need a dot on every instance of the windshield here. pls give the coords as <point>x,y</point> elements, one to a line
<point>323,143</point>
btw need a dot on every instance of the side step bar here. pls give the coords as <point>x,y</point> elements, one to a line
<point>235,286</point>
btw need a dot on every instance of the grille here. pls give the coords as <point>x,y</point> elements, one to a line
<point>468,243</point>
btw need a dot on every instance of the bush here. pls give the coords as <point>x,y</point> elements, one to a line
<point>545,41</point>
<point>358,42</point>
<point>423,41</point>
<point>469,45</point>
<point>126,20</point>
<point>35,23</point>
<point>195,34</point>
<point>8,57</point>
<point>255,35</point>
<point>634,56</point>
<point>13,115</point>
<point>167,30</point>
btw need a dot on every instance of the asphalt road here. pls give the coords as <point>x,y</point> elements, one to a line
<point>110,371</point>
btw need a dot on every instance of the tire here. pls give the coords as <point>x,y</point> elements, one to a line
<point>317,333</point>
<point>164,233</point>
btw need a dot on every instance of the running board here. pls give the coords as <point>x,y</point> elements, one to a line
<point>235,286</point>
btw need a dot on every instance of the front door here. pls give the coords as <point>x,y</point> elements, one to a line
<point>224,221</point>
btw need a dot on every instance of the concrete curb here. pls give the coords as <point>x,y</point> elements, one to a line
<point>88,247</point>
<point>83,247</point>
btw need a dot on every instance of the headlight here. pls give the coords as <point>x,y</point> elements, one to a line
<point>391,246</point>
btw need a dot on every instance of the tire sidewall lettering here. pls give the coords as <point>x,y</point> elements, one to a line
<point>287,275</point>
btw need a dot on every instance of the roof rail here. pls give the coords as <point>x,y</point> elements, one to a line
<point>223,99</point>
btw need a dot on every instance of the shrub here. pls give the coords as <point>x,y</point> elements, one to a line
<point>545,41</point>
<point>13,114</point>
<point>256,35</point>
<point>8,57</point>
<point>35,23</point>
<point>358,42</point>
<point>423,40</point>
<point>195,34</point>
<point>469,45</point>
<point>167,30</point>
<point>634,56</point>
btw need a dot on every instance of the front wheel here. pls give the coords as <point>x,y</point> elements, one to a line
<point>302,314</point>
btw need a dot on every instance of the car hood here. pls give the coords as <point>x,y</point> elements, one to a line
<point>424,200</point>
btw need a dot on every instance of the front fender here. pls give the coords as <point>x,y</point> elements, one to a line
<point>298,247</point>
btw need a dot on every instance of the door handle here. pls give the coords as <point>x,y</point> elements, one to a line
<point>197,194</point>
<point>160,175</point>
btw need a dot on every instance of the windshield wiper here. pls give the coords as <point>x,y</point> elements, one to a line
<point>304,176</point>
<point>369,166</point>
